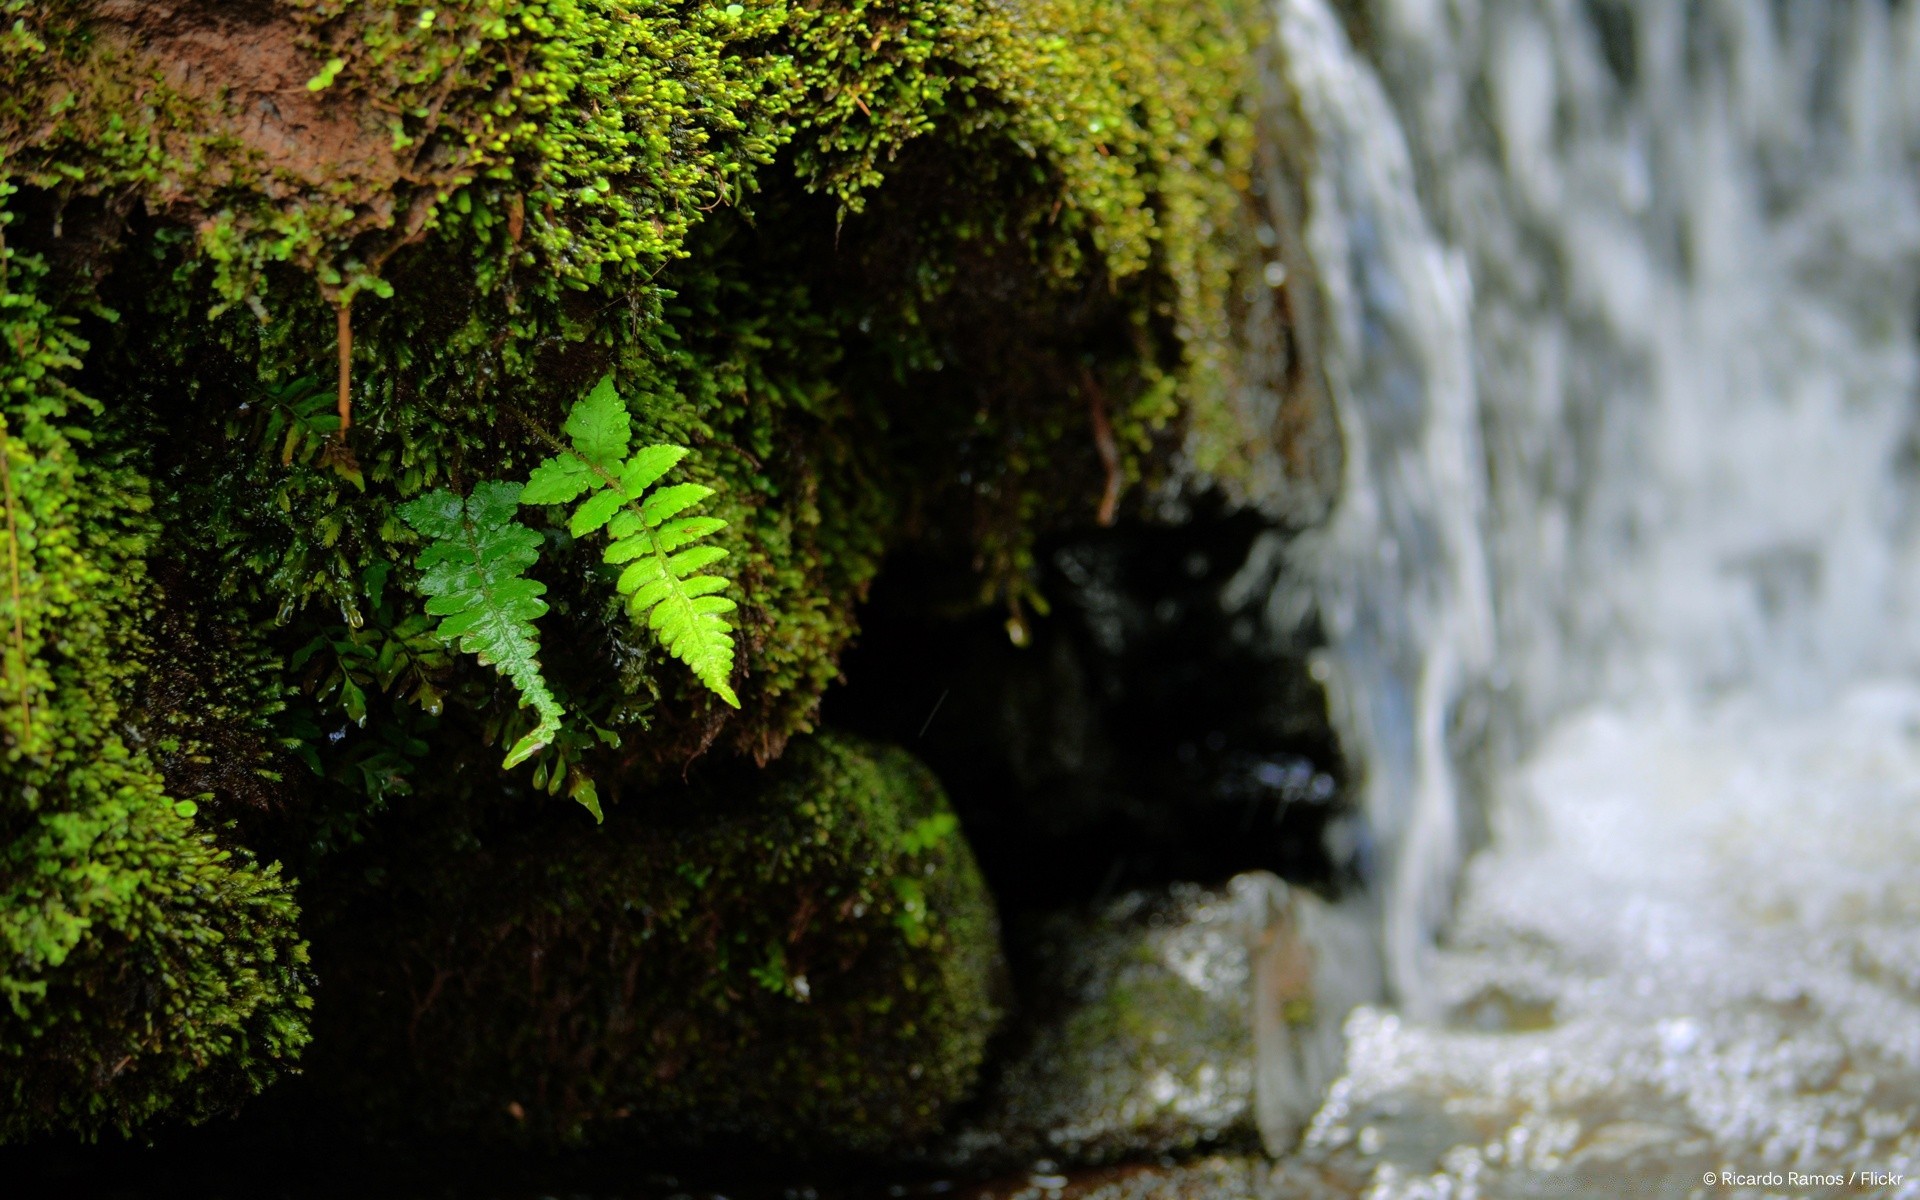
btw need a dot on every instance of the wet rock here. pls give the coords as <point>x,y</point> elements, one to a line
<point>809,964</point>
<point>1169,1020</point>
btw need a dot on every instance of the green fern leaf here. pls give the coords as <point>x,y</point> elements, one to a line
<point>557,481</point>
<point>473,575</point>
<point>646,530</point>
<point>600,428</point>
<point>647,466</point>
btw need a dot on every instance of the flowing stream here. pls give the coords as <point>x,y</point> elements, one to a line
<point>1626,578</point>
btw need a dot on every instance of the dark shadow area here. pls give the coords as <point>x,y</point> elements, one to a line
<point>1153,728</point>
<point>226,1160</point>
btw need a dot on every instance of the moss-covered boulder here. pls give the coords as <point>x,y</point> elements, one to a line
<point>812,968</point>
<point>947,272</point>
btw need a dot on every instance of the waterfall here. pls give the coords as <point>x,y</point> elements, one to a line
<point>1693,231</point>
<point>1624,336</point>
<point>1401,565</point>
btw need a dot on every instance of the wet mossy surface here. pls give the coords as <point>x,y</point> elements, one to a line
<point>811,967</point>
<point>942,274</point>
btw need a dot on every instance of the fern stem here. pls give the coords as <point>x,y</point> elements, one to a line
<point>540,431</point>
<point>13,569</point>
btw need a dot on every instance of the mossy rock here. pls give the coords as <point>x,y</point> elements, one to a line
<point>1172,1020</point>
<point>1136,1040</point>
<point>148,971</point>
<point>813,967</point>
<point>947,271</point>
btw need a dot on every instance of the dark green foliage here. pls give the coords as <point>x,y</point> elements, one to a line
<point>810,964</point>
<point>473,571</point>
<point>149,971</point>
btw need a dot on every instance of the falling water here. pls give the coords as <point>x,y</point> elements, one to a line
<point>1624,300</point>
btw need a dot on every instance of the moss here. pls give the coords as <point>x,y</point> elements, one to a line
<point>528,173</point>
<point>944,271</point>
<point>143,969</point>
<point>811,968</point>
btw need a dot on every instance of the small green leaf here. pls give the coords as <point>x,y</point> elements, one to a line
<point>646,467</point>
<point>701,585</point>
<point>647,533</point>
<point>646,573</point>
<point>645,595</point>
<point>325,78</point>
<point>681,530</point>
<point>671,501</point>
<point>686,562</point>
<point>581,788</point>
<point>471,574</point>
<point>627,547</point>
<point>436,514</point>
<point>493,505</point>
<point>558,480</point>
<point>597,510</point>
<point>600,427</point>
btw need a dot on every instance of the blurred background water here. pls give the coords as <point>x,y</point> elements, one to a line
<point>1623,335</point>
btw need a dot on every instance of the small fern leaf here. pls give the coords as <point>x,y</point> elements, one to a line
<point>472,573</point>
<point>683,530</point>
<point>704,585</point>
<point>692,629</point>
<point>558,480</point>
<point>597,510</point>
<point>672,501</point>
<point>600,428</point>
<point>644,584</point>
<point>647,466</point>
<point>632,538</point>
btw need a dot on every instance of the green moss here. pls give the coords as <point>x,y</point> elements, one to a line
<point>520,178</point>
<point>1137,1041</point>
<point>142,968</point>
<point>812,968</point>
<point>889,269</point>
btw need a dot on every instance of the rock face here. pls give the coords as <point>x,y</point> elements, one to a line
<point>1171,1020</point>
<point>812,968</point>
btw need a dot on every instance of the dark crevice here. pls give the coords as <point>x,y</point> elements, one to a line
<point>1150,730</point>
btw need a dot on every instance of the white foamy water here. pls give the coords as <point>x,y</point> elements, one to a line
<point>1694,947</point>
<point>1623,335</point>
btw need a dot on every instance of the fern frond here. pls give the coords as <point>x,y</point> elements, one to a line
<point>473,575</point>
<point>646,529</point>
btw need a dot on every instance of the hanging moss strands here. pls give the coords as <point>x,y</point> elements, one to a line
<point>275,275</point>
